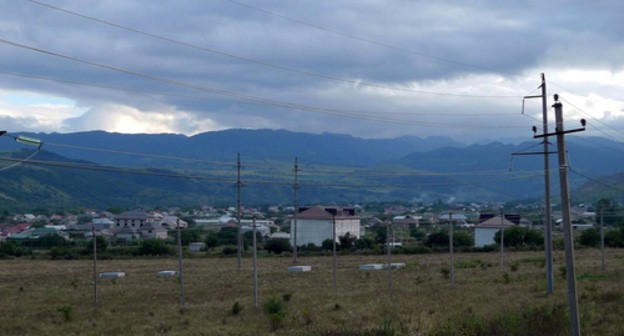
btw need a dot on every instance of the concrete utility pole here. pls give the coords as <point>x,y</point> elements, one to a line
<point>239,235</point>
<point>602,249</point>
<point>334,252</point>
<point>180,269</point>
<point>95,295</point>
<point>502,241</point>
<point>389,253</point>
<point>548,245</point>
<point>255,264</point>
<point>452,268</point>
<point>296,203</point>
<point>565,207</point>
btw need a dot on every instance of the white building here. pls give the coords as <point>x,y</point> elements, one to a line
<point>485,231</point>
<point>314,225</point>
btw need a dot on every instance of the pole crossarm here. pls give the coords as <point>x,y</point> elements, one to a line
<point>559,132</point>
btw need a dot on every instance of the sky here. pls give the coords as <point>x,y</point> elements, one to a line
<point>371,69</point>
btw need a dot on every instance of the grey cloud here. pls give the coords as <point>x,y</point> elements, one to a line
<point>507,38</point>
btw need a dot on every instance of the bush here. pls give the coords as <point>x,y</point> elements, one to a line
<point>277,245</point>
<point>11,249</point>
<point>229,250</point>
<point>614,238</point>
<point>276,310</point>
<point>517,236</point>
<point>327,245</point>
<point>441,239</point>
<point>154,247</point>
<point>590,237</point>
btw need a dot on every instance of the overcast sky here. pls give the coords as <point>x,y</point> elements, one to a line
<point>372,69</point>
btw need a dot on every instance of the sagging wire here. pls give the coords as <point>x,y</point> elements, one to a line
<point>23,140</point>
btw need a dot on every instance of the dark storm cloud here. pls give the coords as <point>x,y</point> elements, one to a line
<point>319,54</point>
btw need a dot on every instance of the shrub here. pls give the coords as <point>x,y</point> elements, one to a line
<point>277,245</point>
<point>229,250</point>
<point>154,247</point>
<point>590,237</point>
<point>276,311</point>
<point>236,308</point>
<point>66,312</point>
<point>517,236</point>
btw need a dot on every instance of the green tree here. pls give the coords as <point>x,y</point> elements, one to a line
<point>101,244</point>
<point>614,238</point>
<point>211,240</point>
<point>277,245</point>
<point>417,233</point>
<point>51,240</point>
<point>347,241</point>
<point>441,239</point>
<point>327,244</point>
<point>228,236</point>
<point>190,235</point>
<point>520,236</point>
<point>364,243</point>
<point>154,247</point>
<point>379,234</point>
<point>590,237</point>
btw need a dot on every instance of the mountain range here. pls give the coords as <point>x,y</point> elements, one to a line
<point>100,169</point>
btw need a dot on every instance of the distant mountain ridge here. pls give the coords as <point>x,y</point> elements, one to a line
<point>282,145</point>
<point>335,168</point>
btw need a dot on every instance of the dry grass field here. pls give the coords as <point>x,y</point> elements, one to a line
<point>43,297</point>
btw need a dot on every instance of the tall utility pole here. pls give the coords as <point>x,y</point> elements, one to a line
<point>255,264</point>
<point>452,268</point>
<point>602,235</point>
<point>567,227</point>
<point>239,236</point>
<point>180,269</point>
<point>565,207</point>
<point>296,203</point>
<point>95,296</point>
<point>502,241</point>
<point>548,245</point>
<point>389,245</point>
<point>334,252</point>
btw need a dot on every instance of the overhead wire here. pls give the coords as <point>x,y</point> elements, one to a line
<point>114,169</point>
<point>270,102</point>
<point>597,181</point>
<point>371,41</point>
<point>202,97</point>
<point>259,62</point>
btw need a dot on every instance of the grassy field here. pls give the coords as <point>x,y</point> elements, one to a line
<point>56,297</point>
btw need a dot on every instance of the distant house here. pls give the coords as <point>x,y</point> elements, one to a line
<point>9,231</point>
<point>103,222</point>
<point>315,224</point>
<point>150,231</point>
<point>126,233</point>
<point>405,221</point>
<point>172,222</point>
<point>457,218</point>
<point>132,219</point>
<point>485,231</point>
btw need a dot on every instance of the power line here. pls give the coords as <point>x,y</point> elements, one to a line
<point>259,62</point>
<point>271,102</point>
<point>178,95</point>
<point>370,41</point>
<point>284,182</point>
<point>597,181</point>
